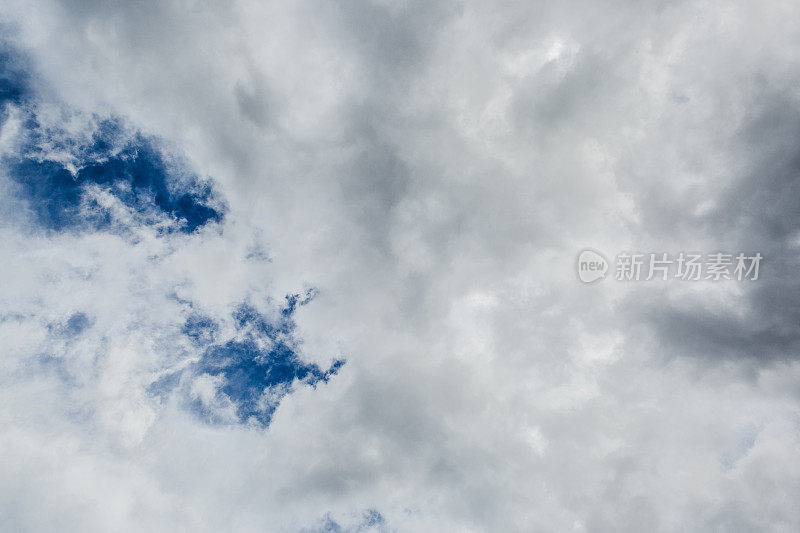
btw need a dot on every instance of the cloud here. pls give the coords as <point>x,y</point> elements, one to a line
<point>432,171</point>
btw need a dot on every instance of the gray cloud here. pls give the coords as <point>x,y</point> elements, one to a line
<point>432,170</point>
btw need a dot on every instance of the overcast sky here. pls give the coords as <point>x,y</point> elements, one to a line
<point>311,266</point>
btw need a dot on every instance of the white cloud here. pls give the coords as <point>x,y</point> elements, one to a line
<point>432,170</point>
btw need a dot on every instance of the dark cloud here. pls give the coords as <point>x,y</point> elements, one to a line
<point>758,212</point>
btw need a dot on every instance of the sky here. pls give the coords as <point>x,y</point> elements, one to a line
<point>310,266</point>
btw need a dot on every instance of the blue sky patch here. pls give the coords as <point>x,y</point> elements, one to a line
<point>255,368</point>
<point>75,181</point>
<point>14,79</point>
<point>137,175</point>
<point>371,520</point>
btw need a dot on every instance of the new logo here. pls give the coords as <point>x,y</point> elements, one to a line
<point>591,266</point>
